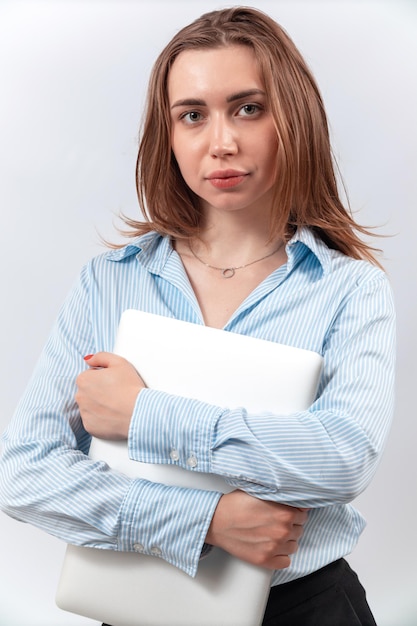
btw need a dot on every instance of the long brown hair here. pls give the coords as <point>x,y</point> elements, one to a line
<point>306,192</point>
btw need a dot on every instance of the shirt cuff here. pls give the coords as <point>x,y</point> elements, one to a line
<point>172,429</point>
<point>167,522</point>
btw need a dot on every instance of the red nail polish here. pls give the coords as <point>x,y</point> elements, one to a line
<point>88,357</point>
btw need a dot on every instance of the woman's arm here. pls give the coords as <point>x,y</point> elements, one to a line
<point>263,533</point>
<point>48,480</point>
<point>313,458</point>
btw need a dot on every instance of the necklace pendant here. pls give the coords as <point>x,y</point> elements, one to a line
<point>228,272</point>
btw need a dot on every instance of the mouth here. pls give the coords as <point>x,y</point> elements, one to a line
<point>225,179</point>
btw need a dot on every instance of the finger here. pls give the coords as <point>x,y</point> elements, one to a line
<point>102,359</point>
<point>290,516</point>
<point>278,562</point>
<point>301,516</point>
<point>291,547</point>
<point>297,532</point>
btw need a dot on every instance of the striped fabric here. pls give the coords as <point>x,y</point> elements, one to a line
<point>321,458</point>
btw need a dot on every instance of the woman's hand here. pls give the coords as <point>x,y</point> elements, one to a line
<point>261,532</point>
<point>107,394</point>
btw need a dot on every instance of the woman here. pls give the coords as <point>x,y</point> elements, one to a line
<point>245,231</point>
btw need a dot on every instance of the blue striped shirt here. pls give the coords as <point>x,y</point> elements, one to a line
<point>321,458</point>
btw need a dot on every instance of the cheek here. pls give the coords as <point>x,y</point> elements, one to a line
<point>270,154</point>
<point>181,150</point>
<point>263,144</point>
<point>186,164</point>
<point>183,163</point>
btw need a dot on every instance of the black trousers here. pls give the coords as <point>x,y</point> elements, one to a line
<point>332,596</point>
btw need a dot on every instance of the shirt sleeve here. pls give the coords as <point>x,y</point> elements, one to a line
<point>322,456</point>
<point>48,480</point>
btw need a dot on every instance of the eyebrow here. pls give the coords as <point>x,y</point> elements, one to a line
<point>240,95</point>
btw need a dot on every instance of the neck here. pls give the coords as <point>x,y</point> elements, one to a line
<point>234,235</point>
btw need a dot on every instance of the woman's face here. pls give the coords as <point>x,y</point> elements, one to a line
<point>223,136</point>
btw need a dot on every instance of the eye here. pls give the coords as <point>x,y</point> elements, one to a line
<point>191,117</point>
<point>249,110</point>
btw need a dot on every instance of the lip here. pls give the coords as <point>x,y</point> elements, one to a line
<point>224,179</point>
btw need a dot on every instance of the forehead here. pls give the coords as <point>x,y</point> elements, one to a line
<point>213,70</point>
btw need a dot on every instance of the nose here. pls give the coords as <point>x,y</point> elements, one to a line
<point>222,138</point>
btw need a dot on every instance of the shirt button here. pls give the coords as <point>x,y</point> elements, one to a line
<point>192,461</point>
<point>138,547</point>
<point>155,551</point>
<point>174,454</point>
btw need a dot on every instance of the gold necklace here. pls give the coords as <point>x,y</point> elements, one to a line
<point>229,272</point>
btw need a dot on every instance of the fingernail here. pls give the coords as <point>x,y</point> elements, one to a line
<point>89,356</point>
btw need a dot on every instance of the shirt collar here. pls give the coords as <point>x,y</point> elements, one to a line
<point>306,238</point>
<point>153,250</point>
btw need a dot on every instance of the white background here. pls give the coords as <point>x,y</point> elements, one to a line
<point>72,83</point>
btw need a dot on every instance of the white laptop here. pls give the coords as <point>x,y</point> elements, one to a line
<point>216,366</point>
